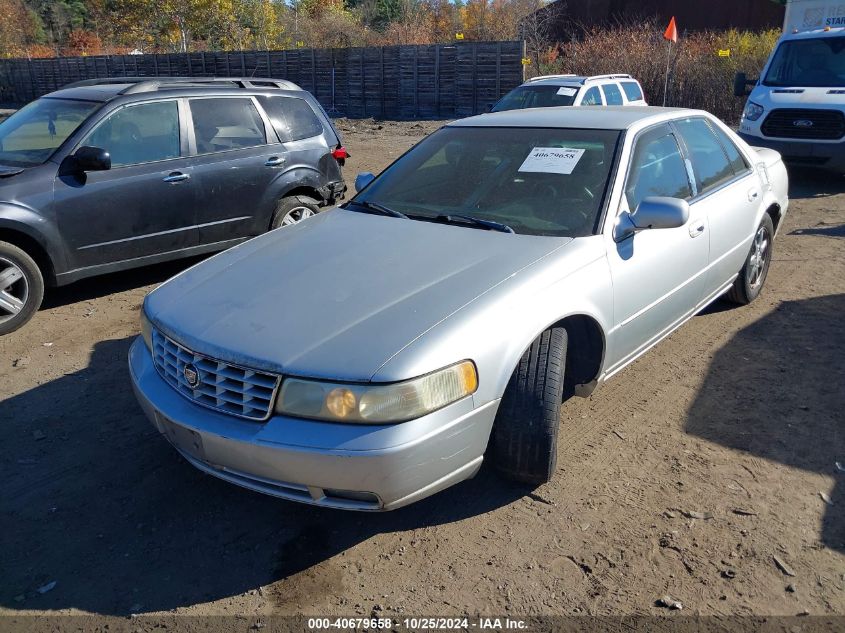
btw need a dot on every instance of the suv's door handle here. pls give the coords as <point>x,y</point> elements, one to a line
<point>696,228</point>
<point>274,161</point>
<point>176,176</point>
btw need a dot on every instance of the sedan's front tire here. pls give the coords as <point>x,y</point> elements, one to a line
<point>21,288</point>
<point>748,285</point>
<point>524,441</point>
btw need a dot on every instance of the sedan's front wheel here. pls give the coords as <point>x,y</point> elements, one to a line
<point>524,441</point>
<point>749,283</point>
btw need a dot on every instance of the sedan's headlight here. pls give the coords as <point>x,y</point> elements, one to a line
<point>146,330</point>
<point>752,111</point>
<point>374,403</point>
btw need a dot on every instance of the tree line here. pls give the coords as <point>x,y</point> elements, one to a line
<point>50,28</point>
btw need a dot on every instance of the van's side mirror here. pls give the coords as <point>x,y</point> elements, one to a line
<point>654,212</point>
<point>741,84</point>
<point>88,158</point>
<point>363,179</point>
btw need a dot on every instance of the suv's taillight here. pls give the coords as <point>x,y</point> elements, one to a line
<point>340,154</point>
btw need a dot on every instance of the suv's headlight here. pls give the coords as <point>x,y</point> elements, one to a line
<point>374,403</point>
<point>146,330</point>
<point>752,111</point>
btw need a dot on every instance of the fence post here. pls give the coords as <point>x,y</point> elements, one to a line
<point>474,77</point>
<point>416,83</point>
<point>243,65</point>
<point>498,70</point>
<point>313,72</point>
<point>437,79</point>
<point>381,79</point>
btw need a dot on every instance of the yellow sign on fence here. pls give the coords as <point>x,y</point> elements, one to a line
<point>526,61</point>
<point>724,52</point>
<point>459,36</point>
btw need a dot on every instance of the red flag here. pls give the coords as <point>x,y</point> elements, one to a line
<point>671,32</point>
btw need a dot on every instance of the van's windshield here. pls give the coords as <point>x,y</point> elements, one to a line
<point>818,62</point>
<point>31,135</point>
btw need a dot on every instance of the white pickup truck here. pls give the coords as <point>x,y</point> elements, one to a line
<point>797,106</point>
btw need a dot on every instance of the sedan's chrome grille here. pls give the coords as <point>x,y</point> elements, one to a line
<point>215,384</point>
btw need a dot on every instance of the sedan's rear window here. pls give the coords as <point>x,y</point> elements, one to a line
<point>538,181</point>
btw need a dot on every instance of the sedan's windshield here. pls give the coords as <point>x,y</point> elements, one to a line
<point>818,62</point>
<point>536,181</point>
<point>31,135</point>
<point>536,97</point>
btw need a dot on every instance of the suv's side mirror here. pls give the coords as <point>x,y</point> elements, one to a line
<point>363,179</point>
<point>654,212</point>
<point>88,158</point>
<point>741,83</point>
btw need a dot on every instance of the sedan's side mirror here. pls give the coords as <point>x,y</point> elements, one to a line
<point>654,212</point>
<point>88,158</point>
<point>363,179</point>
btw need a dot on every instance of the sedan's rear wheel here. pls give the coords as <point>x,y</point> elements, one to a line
<point>749,283</point>
<point>524,441</point>
<point>21,288</point>
<point>293,210</point>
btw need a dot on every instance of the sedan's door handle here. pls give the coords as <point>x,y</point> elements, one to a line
<point>176,176</point>
<point>696,228</point>
<point>752,194</point>
<point>274,161</point>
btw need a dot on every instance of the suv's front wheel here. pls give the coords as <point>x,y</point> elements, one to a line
<point>292,210</point>
<point>21,288</point>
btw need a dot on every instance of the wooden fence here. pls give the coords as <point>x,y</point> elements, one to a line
<point>393,82</point>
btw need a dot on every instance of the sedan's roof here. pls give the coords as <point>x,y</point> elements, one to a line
<point>600,118</point>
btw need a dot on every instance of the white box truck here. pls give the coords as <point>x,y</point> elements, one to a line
<point>797,106</point>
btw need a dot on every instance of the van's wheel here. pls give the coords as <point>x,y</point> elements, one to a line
<point>21,288</point>
<point>525,431</point>
<point>749,283</point>
<point>292,210</point>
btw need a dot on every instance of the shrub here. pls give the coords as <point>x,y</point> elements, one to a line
<point>698,76</point>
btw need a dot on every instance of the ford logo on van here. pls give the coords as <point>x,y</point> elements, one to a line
<point>802,123</point>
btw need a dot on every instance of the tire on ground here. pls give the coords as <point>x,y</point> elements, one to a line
<point>524,440</point>
<point>34,287</point>
<point>292,206</point>
<point>743,291</point>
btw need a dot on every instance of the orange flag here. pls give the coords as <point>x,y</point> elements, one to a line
<point>671,32</point>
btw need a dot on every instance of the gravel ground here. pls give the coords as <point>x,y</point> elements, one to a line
<point>696,472</point>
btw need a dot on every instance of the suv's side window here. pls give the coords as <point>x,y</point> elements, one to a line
<point>292,118</point>
<point>657,168</point>
<point>592,98</point>
<point>709,161</point>
<point>632,90</point>
<point>612,94</point>
<point>226,123</point>
<point>137,134</point>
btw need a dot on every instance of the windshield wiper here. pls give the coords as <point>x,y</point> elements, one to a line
<point>468,219</point>
<point>380,209</point>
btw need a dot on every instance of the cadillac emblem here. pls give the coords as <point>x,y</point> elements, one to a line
<point>192,375</point>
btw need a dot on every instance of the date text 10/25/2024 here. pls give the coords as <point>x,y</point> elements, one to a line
<point>416,624</point>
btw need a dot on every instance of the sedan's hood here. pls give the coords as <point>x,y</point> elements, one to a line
<point>337,295</point>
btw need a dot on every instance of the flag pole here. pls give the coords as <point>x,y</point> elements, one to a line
<point>668,60</point>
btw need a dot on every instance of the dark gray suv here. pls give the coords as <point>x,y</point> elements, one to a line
<point>110,174</point>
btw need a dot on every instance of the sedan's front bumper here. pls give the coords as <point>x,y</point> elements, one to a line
<point>358,467</point>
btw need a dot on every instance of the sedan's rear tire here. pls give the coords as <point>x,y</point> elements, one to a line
<point>748,285</point>
<point>21,288</point>
<point>292,210</point>
<point>524,441</point>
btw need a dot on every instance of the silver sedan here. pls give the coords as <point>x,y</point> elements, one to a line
<point>377,353</point>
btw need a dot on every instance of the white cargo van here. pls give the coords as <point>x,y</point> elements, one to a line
<point>797,106</point>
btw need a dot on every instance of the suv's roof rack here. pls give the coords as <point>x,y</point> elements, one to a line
<point>149,84</point>
<point>569,76</point>
<point>615,76</point>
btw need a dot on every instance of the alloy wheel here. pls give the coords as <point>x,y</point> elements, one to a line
<point>14,289</point>
<point>758,259</point>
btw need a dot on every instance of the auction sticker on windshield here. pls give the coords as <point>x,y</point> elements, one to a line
<point>566,92</point>
<point>553,160</point>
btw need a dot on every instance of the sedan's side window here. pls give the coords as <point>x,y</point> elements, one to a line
<point>657,168</point>
<point>592,98</point>
<point>612,94</point>
<point>709,161</point>
<point>137,134</point>
<point>224,124</point>
<point>738,162</point>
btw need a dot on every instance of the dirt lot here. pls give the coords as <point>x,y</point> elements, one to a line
<point>686,475</point>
